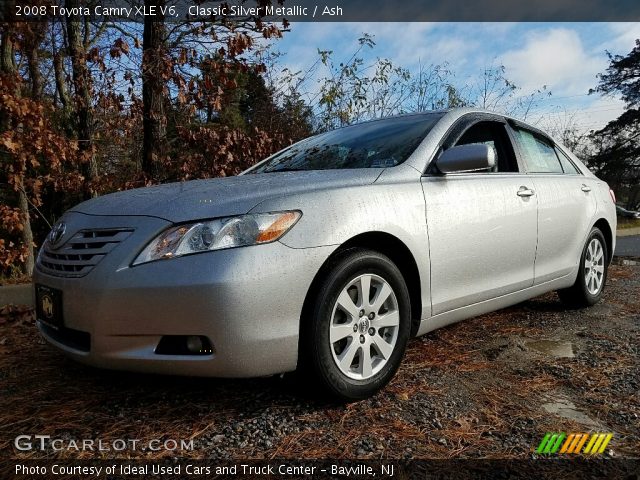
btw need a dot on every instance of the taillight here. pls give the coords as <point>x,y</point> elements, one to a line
<point>613,196</point>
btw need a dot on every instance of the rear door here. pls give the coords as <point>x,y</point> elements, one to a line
<point>482,225</point>
<point>566,204</point>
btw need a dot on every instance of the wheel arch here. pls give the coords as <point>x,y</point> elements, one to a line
<point>605,228</point>
<point>386,244</point>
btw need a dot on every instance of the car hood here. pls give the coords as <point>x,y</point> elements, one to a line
<point>220,197</point>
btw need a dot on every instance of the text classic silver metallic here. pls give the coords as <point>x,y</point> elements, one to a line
<point>327,256</point>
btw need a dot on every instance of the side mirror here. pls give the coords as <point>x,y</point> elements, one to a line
<point>467,158</point>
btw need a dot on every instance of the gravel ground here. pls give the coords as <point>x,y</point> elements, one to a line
<point>488,387</point>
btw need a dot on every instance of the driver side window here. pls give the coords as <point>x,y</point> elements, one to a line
<point>495,135</point>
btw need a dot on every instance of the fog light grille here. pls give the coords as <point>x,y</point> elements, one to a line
<point>76,339</point>
<point>184,345</point>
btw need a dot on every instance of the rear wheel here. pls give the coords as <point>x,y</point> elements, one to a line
<point>360,325</point>
<point>592,273</point>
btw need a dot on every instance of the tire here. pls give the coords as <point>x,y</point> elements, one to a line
<point>337,336</point>
<point>592,273</point>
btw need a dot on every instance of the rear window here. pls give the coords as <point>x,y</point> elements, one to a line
<point>377,144</point>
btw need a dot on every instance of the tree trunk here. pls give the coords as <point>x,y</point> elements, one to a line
<point>27,232</point>
<point>7,67</point>
<point>33,42</point>
<point>61,88</point>
<point>154,121</point>
<point>82,88</point>
<point>6,51</point>
<point>58,72</point>
<point>633,202</point>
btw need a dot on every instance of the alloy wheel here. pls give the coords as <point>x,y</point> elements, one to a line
<point>364,326</point>
<point>594,266</point>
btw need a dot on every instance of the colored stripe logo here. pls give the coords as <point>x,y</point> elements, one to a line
<point>574,443</point>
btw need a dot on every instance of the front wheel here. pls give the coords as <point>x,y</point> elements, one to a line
<point>360,325</point>
<point>592,273</point>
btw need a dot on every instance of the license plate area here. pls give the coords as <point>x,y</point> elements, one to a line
<point>49,306</point>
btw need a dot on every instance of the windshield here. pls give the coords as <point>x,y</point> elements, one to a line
<point>377,144</point>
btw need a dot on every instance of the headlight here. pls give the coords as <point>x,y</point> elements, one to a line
<point>251,229</point>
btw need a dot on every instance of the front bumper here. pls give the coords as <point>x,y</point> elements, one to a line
<point>247,301</point>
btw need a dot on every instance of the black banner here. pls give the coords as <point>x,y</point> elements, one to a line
<point>182,468</point>
<point>327,11</point>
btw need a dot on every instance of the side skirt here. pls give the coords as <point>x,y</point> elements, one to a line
<point>491,305</point>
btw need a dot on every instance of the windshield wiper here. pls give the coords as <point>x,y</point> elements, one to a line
<point>285,170</point>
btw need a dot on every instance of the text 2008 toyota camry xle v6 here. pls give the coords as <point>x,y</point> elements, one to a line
<point>328,255</point>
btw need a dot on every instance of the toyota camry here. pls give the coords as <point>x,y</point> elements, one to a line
<point>329,255</point>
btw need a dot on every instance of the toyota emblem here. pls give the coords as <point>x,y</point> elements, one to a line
<point>57,232</point>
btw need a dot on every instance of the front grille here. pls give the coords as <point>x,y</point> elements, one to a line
<point>81,253</point>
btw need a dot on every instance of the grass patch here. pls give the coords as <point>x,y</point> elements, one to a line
<point>628,223</point>
<point>15,277</point>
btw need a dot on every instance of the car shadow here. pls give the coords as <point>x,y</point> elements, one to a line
<point>543,305</point>
<point>150,390</point>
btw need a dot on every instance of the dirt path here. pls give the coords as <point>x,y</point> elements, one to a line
<point>487,387</point>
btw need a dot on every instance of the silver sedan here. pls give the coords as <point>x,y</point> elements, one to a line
<point>329,255</point>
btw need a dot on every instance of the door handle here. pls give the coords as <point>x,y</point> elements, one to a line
<point>525,192</point>
<point>585,188</point>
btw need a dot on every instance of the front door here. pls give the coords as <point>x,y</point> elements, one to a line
<point>482,226</point>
